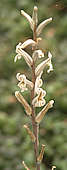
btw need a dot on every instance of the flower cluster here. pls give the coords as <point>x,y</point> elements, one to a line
<point>24,83</point>
<point>38,93</point>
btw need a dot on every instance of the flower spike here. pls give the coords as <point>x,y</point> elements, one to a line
<point>29,19</point>
<point>21,99</point>
<point>42,113</point>
<point>42,25</point>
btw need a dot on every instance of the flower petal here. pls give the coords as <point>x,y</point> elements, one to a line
<point>28,42</point>
<point>17,57</point>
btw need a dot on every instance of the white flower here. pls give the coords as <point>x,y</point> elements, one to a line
<point>42,25</point>
<point>49,63</point>
<point>26,56</point>
<point>23,82</point>
<point>39,100</point>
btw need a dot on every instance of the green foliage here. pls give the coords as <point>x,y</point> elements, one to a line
<point>15,144</point>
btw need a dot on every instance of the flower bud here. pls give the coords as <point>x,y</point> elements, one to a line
<point>29,19</point>
<point>42,25</point>
<point>34,17</point>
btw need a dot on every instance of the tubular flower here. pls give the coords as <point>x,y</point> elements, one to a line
<point>26,56</point>
<point>39,100</point>
<point>23,82</point>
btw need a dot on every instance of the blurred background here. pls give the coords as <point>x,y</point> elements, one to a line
<point>15,144</point>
